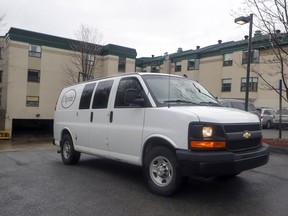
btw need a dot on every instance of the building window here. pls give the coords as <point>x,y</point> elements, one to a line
<point>193,64</point>
<point>32,101</point>
<point>155,68</point>
<point>253,84</point>
<point>35,50</point>
<point>122,65</point>
<point>178,66</point>
<point>1,52</point>
<point>228,60</point>
<point>90,59</point>
<point>254,56</point>
<point>33,76</point>
<point>226,85</point>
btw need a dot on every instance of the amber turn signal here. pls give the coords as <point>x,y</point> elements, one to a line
<point>207,144</point>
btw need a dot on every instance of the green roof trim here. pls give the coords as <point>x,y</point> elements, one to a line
<point>259,42</point>
<point>112,49</point>
<point>39,38</point>
<point>63,43</point>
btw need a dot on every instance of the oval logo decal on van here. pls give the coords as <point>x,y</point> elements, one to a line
<point>68,98</point>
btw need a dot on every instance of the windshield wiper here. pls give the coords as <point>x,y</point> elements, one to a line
<point>199,90</point>
<point>210,103</point>
<point>179,101</point>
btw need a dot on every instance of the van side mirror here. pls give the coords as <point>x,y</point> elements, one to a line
<point>132,97</point>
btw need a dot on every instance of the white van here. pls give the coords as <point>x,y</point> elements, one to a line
<point>169,125</point>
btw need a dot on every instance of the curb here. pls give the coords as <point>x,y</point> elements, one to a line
<point>276,145</point>
<point>278,149</point>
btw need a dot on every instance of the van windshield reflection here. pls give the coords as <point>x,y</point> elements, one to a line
<point>175,90</point>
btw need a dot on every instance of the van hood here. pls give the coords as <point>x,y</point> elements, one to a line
<point>221,114</point>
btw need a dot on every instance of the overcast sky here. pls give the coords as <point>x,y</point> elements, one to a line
<point>149,26</point>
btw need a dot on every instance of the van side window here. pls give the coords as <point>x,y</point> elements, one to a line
<point>124,85</point>
<point>101,96</point>
<point>86,96</point>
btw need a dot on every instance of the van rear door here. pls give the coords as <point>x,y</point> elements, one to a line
<point>99,118</point>
<point>83,115</point>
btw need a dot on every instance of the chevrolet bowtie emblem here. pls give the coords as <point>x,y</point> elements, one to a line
<point>246,134</point>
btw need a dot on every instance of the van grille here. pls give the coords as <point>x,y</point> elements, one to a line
<point>241,128</point>
<point>237,142</point>
<point>243,144</point>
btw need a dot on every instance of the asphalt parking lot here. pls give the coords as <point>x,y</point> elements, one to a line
<point>34,181</point>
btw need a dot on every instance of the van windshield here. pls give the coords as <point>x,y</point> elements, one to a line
<point>178,91</point>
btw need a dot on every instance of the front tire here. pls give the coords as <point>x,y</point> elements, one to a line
<point>162,171</point>
<point>68,153</point>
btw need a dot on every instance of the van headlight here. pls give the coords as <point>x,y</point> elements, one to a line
<point>206,136</point>
<point>207,132</point>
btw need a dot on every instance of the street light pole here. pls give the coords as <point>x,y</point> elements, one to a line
<point>241,21</point>
<point>166,58</point>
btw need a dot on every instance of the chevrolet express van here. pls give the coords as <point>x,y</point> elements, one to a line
<point>169,125</point>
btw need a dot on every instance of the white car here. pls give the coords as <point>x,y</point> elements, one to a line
<point>266,115</point>
<point>284,118</point>
<point>169,125</point>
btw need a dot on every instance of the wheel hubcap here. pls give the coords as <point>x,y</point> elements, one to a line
<point>161,171</point>
<point>66,150</point>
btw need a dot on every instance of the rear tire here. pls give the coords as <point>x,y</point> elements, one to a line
<point>268,125</point>
<point>162,171</point>
<point>68,153</point>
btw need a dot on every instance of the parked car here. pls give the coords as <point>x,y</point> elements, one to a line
<point>239,104</point>
<point>266,115</point>
<point>284,114</point>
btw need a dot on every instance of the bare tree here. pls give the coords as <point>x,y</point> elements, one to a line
<point>84,53</point>
<point>271,18</point>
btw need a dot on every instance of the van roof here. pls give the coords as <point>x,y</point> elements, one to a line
<point>126,74</point>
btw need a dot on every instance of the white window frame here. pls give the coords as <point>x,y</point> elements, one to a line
<point>90,59</point>
<point>227,59</point>
<point>35,50</point>
<point>225,83</point>
<point>253,84</point>
<point>178,66</point>
<point>255,56</point>
<point>195,66</point>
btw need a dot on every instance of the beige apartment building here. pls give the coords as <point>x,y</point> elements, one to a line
<point>33,72</point>
<point>221,68</point>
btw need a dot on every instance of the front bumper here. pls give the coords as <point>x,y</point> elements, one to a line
<point>219,163</point>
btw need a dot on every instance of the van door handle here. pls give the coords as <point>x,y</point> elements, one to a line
<point>111,117</point>
<point>91,117</point>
